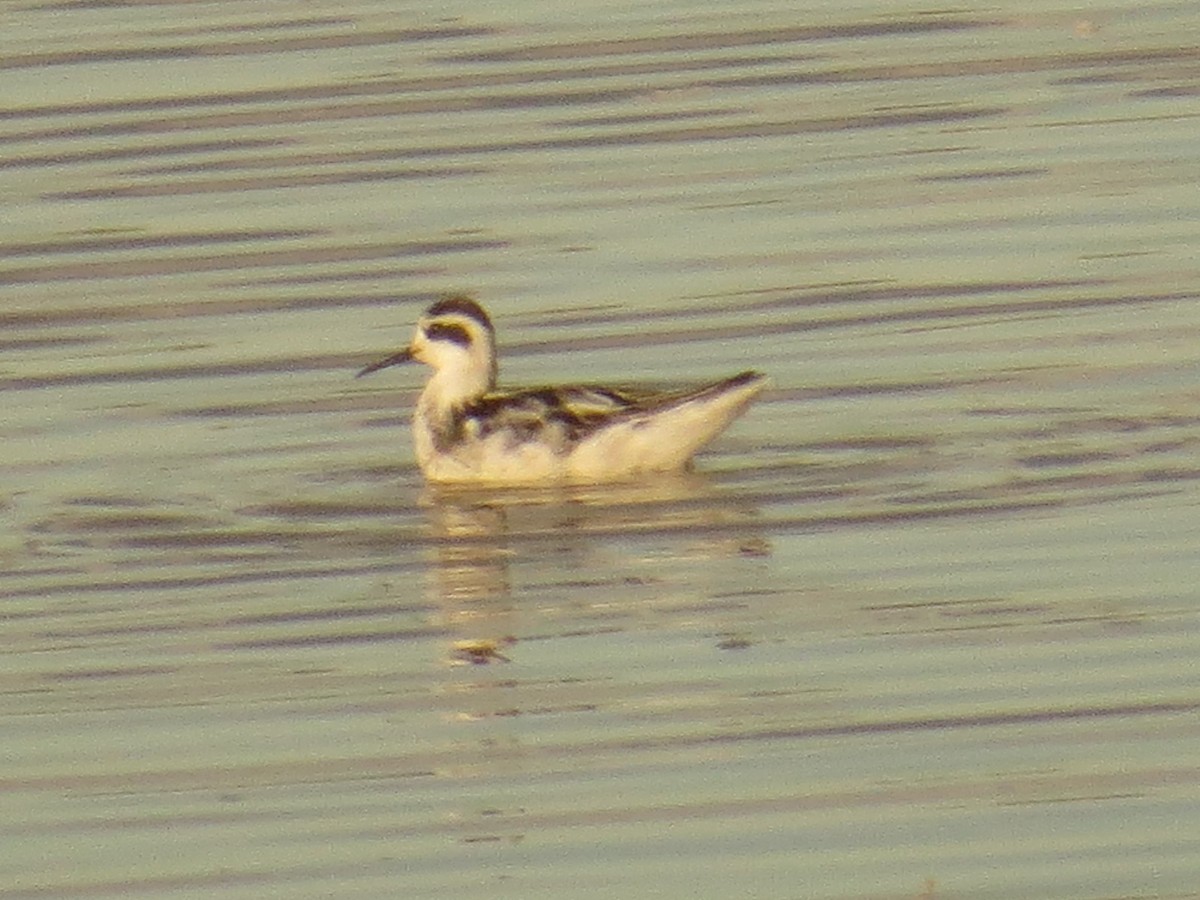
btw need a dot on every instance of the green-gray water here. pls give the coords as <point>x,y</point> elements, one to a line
<point>924,624</point>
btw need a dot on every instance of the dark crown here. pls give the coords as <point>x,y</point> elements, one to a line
<point>460,305</point>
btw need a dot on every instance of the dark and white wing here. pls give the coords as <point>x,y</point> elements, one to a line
<point>560,417</point>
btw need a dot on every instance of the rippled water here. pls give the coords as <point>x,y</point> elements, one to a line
<point>923,624</point>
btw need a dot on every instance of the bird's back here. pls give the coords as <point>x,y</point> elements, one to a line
<point>583,432</point>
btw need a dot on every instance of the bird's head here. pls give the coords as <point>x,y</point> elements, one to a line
<point>456,339</point>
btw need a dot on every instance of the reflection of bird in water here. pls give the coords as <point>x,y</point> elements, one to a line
<point>468,580</point>
<point>481,652</point>
<point>465,430</point>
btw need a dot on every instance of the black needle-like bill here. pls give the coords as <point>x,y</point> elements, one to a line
<point>395,359</point>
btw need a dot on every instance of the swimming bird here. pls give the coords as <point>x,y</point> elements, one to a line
<point>465,429</point>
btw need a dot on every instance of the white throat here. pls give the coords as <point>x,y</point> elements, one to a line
<point>455,385</point>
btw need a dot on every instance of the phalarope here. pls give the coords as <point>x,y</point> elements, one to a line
<point>465,430</point>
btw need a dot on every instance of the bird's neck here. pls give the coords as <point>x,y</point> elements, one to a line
<point>453,388</point>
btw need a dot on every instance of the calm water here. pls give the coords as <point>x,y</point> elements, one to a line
<point>923,625</point>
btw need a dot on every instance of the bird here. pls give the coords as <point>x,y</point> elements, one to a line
<point>466,430</point>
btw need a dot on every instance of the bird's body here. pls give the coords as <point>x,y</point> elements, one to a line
<point>466,430</point>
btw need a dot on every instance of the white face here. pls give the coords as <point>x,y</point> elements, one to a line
<point>460,351</point>
<point>456,339</point>
<point>447,341</point>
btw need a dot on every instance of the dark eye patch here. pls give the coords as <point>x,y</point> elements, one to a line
<point>445,331</point>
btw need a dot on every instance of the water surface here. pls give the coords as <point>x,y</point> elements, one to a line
<point>922,624</point>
